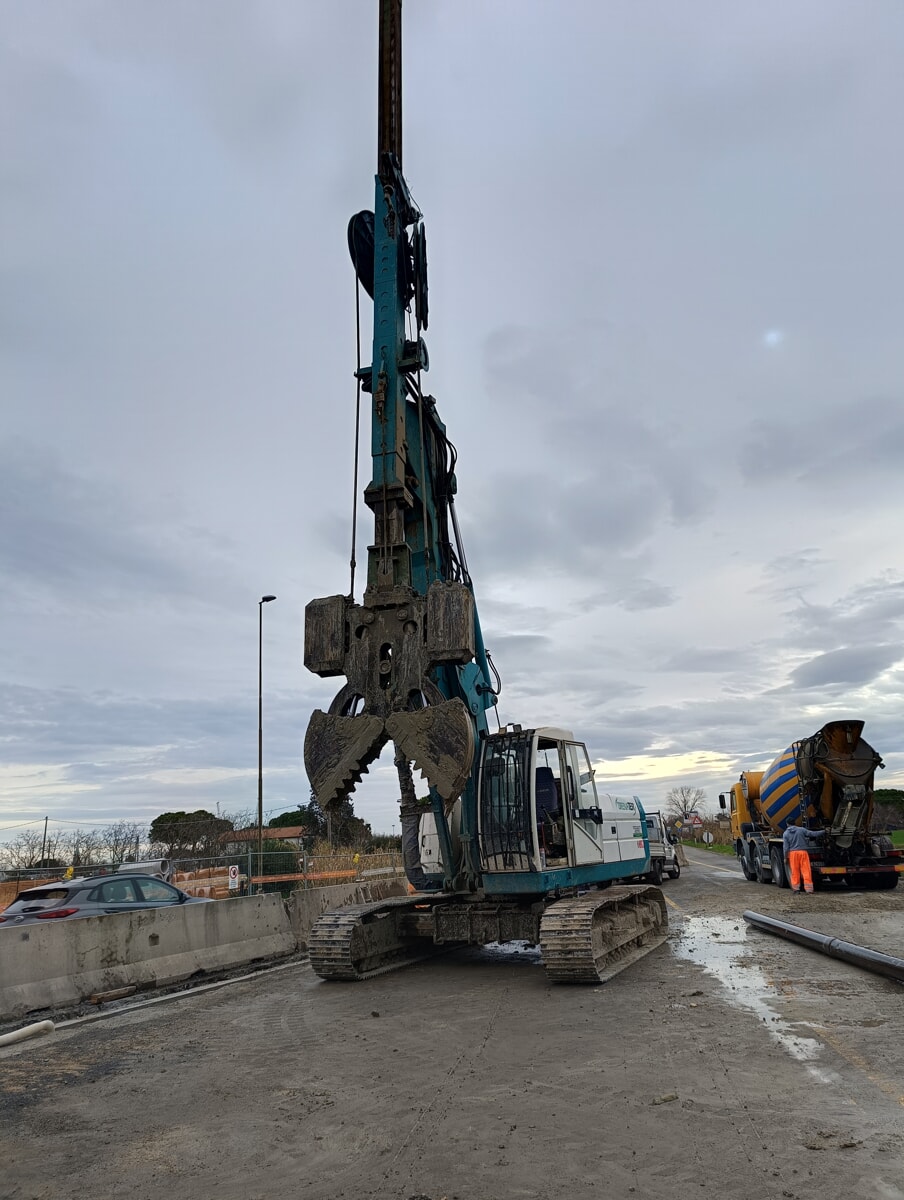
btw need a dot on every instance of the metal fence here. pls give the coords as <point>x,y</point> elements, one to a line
<point>279,871</point>
<point>236,874</point>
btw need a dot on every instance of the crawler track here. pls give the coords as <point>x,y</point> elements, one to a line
<point>583,939</point>
<point>588,939</point>
<point>363,940</point>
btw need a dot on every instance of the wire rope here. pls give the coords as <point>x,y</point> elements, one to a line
<point>352,563</point>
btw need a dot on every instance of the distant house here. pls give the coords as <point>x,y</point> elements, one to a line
<point>237,841</point>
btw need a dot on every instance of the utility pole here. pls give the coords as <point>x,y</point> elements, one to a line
<point>260,737</point>
<point>44,840</point>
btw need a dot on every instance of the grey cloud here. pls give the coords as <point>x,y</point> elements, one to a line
<point>843,448</point>
<point>632,593</point>
<point>870,613</point>
<point>510,615</point>
<point>626,474</point>
<point>116,741</point>
<point>516,645</point>
<point>79,537</point>
<point>705,661</point>
<point>566,525</point>
<point>853,665</point>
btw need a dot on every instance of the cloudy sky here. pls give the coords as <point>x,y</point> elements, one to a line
<point>666,303</point>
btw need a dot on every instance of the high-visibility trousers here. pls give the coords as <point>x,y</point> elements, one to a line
<point>799,865</point>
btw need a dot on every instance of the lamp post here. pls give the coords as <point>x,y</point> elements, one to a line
<point>260,738</point>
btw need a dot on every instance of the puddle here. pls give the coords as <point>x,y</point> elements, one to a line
<point>522,951</point>
<point>519,953</point>
<point>720,947</point>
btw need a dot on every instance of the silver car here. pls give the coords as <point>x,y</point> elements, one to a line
<point>96,896</point>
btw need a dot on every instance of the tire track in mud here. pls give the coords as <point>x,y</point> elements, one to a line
<point>433,1114</point>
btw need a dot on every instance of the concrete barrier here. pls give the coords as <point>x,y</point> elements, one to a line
<point>62,963</point>
<point>307,905</point>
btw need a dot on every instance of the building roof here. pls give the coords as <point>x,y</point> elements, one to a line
<point>280,833</point>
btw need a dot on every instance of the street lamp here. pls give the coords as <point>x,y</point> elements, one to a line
<point>260,738</point>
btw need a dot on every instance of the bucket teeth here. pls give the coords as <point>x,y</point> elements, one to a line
<point>439,740</point>
<point>338,751</point>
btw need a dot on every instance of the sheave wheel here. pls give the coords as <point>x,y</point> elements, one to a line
<point>779,878</point>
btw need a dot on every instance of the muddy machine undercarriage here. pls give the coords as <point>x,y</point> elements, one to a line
<point>530,850</point>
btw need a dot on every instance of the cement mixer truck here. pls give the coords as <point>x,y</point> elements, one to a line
<point>824,782</point>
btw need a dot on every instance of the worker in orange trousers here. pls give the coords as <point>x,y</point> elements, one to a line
<point>799,865</point>
<point>795,839</point>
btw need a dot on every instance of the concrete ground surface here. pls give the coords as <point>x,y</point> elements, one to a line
<point>727,1062</point>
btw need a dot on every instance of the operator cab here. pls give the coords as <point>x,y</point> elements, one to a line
<point>539,812</point>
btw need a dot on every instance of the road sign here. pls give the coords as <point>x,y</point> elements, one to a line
<point>708,838</point>
<point>697,820</point>
<point>233,877</point>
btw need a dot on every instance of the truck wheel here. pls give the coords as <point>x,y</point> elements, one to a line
<point>675,871</point>
<point>745,868</point>
<point>755,875</point>
<point>885,883</point>
<point>655,872</point>
<point>777,859</point>
<point>764,870</point>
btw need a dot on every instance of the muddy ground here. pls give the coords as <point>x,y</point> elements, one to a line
<point>726,1063</point>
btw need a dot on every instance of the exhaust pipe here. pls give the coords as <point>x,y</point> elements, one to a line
<point>858,956</point>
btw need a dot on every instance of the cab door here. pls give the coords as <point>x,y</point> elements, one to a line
<point>588,831</point>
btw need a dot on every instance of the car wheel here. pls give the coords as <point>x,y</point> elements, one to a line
<point>777,859</point>
<point>655,872</point>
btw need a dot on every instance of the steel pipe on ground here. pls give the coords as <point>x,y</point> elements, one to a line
<point>27,1031</point>
<point>859,956</point>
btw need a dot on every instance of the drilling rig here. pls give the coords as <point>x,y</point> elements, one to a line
<point>530,849</point>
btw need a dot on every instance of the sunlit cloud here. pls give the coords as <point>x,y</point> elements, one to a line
<point>642,767</point>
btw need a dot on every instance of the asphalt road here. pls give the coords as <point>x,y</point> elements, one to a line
<point>726,1060</point>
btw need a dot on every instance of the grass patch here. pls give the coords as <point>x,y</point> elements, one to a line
<point>715,847</point>
<point>897,837</point>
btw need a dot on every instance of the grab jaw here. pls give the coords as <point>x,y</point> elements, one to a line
<point>386,648</point>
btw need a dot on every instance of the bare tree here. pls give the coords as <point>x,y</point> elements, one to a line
<point>683,801</point>
<point>23,851</point>
<point>83,847</point>
<point>243,818</point>
<point>122,841</point>
<point>54,850</point>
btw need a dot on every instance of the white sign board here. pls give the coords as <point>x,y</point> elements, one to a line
<point>233,877</point>
<point>707,837</point>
